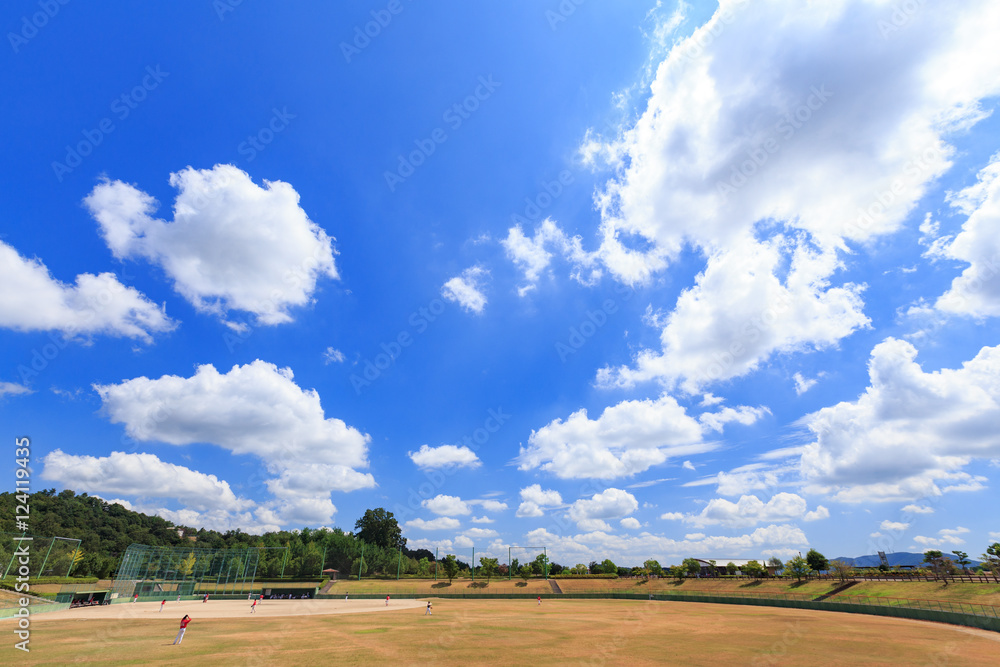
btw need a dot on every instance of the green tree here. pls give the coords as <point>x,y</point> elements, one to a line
<point>608,566</point>
<point>992,559</point>
<point>540,565</point>
<point>842,569</point>
<point>775,563</point>
<point>678,571</point>
<point>187,565</point>
<point>653,567</point>
<point>817,561</point>
<point>579,568</point>
<point>937,561</point>
<point>754,569</point>
<point>488,568</point>
<point>525,572</point>
<point>798,567</point>
<point>515,566</point>
<point>962,559</point>
<point>423,567</point>
<point>379,527</point>
<point>691,566</point>
<point>450,566</point>
<point>731,568</point>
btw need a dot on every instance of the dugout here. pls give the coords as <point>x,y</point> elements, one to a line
<point>84,598</point>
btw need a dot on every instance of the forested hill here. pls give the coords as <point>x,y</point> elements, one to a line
<point>106,530</point>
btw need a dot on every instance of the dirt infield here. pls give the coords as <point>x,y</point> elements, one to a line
<point>225,609</point>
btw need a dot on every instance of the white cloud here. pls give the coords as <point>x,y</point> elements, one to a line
<point>751,510</point>
<point>995,536</point>
<point>918,509</point>
<point>636,548</point>
<point>12,389</point>
<point>589,513</point>
<point>803,384</point>
<point>626,439</point>
<point>142,475</point>
<point>976,291</point>
<point>445,456</point>
<point>253,409</point>
<point>672,516</point>
<point>534,498</point>
<point>594,525</point>
<point>480,533</point>
<point>630,523</point>
<point>331,355</point>
<point>532,257</point>
<point>819,513</point>
<point>232,245</point>
<point>687,465</point>
<point>466,290</point>
<point>949,537</point>
<point>910,433</point>
<point>443,505</point>
<point>741,481</point>
<point>894,526</point>
<point>716,421</point>
<point>32,300</point>
<point>481,519</point>
<point>440,523</point>
<point>739,313</point>
<point>490,505</point>
<point>740,141</point>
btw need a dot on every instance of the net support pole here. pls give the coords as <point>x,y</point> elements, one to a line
<point>72,560</point>
<point>46,559</point>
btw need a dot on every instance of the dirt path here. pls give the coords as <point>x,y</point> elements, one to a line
<point>555,587</point>
<point>226,609</point>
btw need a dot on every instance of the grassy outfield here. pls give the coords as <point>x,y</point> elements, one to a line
<point>972,593</point>
<point>517,632</point>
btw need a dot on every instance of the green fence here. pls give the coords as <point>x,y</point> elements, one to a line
<point>162,571</point>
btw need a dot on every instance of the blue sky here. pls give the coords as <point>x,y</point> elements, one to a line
<point>627,279</point>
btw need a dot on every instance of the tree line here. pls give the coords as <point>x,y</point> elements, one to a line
<point>376,547</point>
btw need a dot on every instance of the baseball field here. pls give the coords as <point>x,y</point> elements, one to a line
<point>501,631</point>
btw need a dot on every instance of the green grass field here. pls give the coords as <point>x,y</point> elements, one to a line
<point>959,592</point>
<point>513,632</point>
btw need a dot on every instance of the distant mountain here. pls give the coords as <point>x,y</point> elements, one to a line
<point>897,559</point>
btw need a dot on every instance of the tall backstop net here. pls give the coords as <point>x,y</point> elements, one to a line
<point>169,571</point>
<point>46,556</point>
